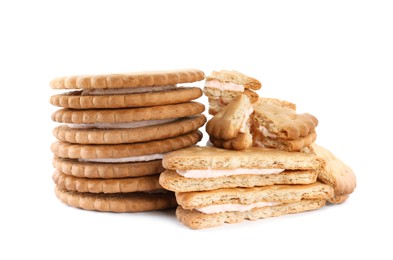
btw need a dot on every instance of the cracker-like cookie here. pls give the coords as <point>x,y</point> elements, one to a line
<point>94,116</point>
<point>336,174</point>
<point>277,121</point>
<point>129,135</point>
<point>75,151</point>
<point>107,170</point>
<point>231,120</point>
<point>255,157</point>
<point>117,202</point>
<point>236,77</point>
<point>241,142</point>
<point>218,99</point>
<point>118,185</point>
<point>76,100</point>
<point>198,220</point>
<point>247,196</point>
<point>283,144</point>
<point>171,180</point>
<point>128,80</point>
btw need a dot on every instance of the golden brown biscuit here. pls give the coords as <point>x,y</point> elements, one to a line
<point>94,116</point>
<point>260,158</point>
<point>75,151</point>
<point>129,135</point>
<point>117,202</point>
<point>198,220</point>
<point>236,77</point>
<point>241,142</point>
<point>128,80</point>
<point>171,180</point>
<point>76,100</point>
<point>118,185</point>
<point>107,170</point>
<point>277,121</point>
<point>336,174</point>
<point>247,196</point>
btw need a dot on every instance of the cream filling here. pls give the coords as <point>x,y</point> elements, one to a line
<point>142,158</point>
<point>224,85</point>
<point>221,173</point>
<point>266,132</point>
<point>246,116</point>
<point>212,209</point>
<point>123,125</point>
<point>120,91</point>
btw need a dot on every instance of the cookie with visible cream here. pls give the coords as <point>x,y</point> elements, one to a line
<point>223,87</point>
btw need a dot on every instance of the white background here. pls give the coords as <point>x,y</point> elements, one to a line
<point>334,59</point>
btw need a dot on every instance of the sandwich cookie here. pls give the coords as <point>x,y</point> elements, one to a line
<point>230,128</point>
<point>276,125</point>
<point>205,209</point>
<point>138,89</point>
<point>223,87</point>
<point>209,168</point>
<point>139,131</point>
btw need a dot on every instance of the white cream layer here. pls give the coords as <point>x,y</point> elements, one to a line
<point>123,125</point>
<point>212,209</point>
<point>224,85</point>
<point>120,91</point>
<point>220,173</point>
<point>266,132</point>
<point>246,116</point>
<point>142,158</point>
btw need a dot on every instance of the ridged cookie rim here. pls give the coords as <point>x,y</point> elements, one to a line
<point>174,96</point>
<point>128,80</point>
<point>134,135</point>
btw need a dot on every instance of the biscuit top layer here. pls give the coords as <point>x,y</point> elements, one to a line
<point>128,80</point>
<point>254,158</point>
<point>236,78</point>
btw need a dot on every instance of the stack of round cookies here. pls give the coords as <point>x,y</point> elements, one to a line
<point>114,132</point>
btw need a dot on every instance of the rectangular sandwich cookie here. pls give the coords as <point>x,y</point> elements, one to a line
<point>236,204</point>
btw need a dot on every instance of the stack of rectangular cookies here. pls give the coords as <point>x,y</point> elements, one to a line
<point>269,166</point>
<point>114,130</point>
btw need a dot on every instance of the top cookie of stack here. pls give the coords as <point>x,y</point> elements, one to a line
<point>114,131</point>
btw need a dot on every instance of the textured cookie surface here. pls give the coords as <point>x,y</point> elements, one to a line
<point>198,220</point>
<point>246,196</point>
<point>218,98</point>
<point>282,121</point>
<point>117,202</point>
<point>119,185</point>
<point>283,144</point>
<point>215,158</point>
<point>93,116</point>
<point>336,174</point>
<point>75,151</point>
<point>127,80</point>
<point>131,135</point>
<point>231,120</point>
<point>77,101</point>
<point>107,170</point>
<point>236,77</point>
<point>171,180</point>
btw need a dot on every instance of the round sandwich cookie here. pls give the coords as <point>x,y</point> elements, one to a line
<point>128,80</point>
<point>137,89</point>
<point>119,185</point>
<point>117,202</point>
<point>141,131</point>
<point>107,170</point>
<point>112,116</point>
<point>118,153</point>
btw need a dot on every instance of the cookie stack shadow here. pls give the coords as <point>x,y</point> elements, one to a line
<point>113,132</point>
